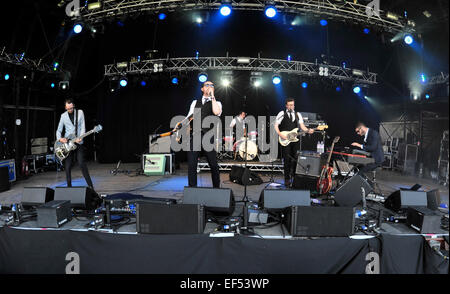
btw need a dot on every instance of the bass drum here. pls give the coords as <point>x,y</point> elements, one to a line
<point>252,149</point>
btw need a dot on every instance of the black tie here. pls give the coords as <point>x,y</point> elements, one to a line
<point>289,114</point>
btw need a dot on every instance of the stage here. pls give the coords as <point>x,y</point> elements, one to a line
<point>263,250</point>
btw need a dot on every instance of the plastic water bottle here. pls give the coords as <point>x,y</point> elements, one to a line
<point>318,147</point>
<point>360,213</point>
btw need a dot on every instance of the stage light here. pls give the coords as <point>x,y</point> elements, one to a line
<point>55,66</point>
<point>256,83</point>
<point>304,85</point>
<point>427,96</point>
<point>338,89</point>
<point>52,85</point>
<point>356,89</point>
<point>162,16</point>
<point>123,82</point>
<point>64,85</point>
<point>6,77</point>
<point>225,9</point>
<point>408,39</point>
<point>344,64</point>
<point>199,20</point>
<point>226,82</point>
<point>423,78</point>
<point>323,22</point>
<point>202,77</point>
<point>143,83</point>
<point>276,79</point>
<point>174,80</point>
<point>366,31</point>
<point>270,11</point>
<point>77,28</point>
<point>196,55</point>
<point>289,58</point>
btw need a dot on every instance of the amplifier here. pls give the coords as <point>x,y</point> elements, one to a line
<point>170,219</point>
<point>154,164</point>
<point>423,220</point>
<point>310,164</point>
<point>53,214</point>
<point>316,221</point>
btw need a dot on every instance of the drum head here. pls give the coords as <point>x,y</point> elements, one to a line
<point>252,150</point>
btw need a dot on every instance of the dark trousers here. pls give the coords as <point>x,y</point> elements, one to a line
<point>369,167</point>
<point>211,156</point>
<point>289,153</point>
<point>68,163</point>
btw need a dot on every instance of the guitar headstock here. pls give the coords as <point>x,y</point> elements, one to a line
<point>322,127</point>
<point>98,128</point>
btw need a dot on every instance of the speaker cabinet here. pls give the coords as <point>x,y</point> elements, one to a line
<point>316,221</point>
<point>273,199</point>
<point>5,185</point>
<point>423,220</point>
<point>79,197</point>
<point>402,199</point>
<point>243,176</point>
<point>309,164</point>
<point>33,196</point>
<point>220,200</point>
<point>350,192</point>
<point>170,219</point>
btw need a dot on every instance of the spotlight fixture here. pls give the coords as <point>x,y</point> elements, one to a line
<point>174,80</point>
<point>6,77</point>
<point>52,85</point>
<point>226,78</point>
<point>323,22</point>
<point>270,11</point>
<point>276,79</point>
<point>123,82</point>
<point>338,89</point>
<point>423,78</point>
<point>256,79</point>
<point>199,20</point>
<point>304,85</point>
<point>356,89</point>
<point>225,9</point>
<point>64,85</point>
<point>427,96</point>
<point>77,28</point>
<point>162,16</point>
<point>366,31</point>
<point>408,39</point>
<point>202,77</point>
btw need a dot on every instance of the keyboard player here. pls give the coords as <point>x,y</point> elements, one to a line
<point>372,143</point>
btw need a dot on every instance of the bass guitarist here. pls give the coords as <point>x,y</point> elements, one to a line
<point>287,120</point>
<point>73,122</point>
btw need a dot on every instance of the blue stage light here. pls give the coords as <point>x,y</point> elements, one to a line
<point>52,85</point>
<point>427,96</point>
<point>123,82</point>
<point>323,22</point>
<point>423,78</point>
<point>143,83</point>
<point>408,39</point>
<point>162,16</point>
<point>174,80</point>
<point>6,77</point>
<point>356,90</point>
<point>338,89</point>
<point>77,28</point>
<point>366,31</point>
<point>304,85</point>
<point>202,77</point>
<point>276,80</point>
<point>225,9</point>
<point>270,11</point>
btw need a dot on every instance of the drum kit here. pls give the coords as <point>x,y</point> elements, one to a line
<point>236,149</point>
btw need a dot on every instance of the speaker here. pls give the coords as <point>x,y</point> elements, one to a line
<point>220,200</point>
<point>309,164</point>
<point>243,176</point>
<point>350,192</point>
<point>433,199</point>
<point>5,185</point>
<point>317,221</point>
<point>53,214</point>
<point>402,199</point>
<point>274,199</point>
<point>37,195</point>
<point>79,197</point>
<point>170,219</point>
<point>423,220</point>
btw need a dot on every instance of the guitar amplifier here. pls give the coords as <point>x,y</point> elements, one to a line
<point>154,164</point>
<point>310,164</point>
<point>168,166</point>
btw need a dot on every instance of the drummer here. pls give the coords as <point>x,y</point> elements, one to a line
<point>239,118</point>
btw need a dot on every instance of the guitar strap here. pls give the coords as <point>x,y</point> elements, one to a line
<point>76,122</point>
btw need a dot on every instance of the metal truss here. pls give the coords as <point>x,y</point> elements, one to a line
<point>21,60</point>
<point>438,79</point>
<point>253,166</point>
<point>241,63</point>
<point>343,10</point>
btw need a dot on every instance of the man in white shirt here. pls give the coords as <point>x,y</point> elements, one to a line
<point>208,105</point>
<point>288,120</point>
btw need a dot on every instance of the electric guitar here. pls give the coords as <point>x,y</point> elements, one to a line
<point>62,150</point>
<point>175,130</point>
<point>324,183</point>
<point>293,135</point>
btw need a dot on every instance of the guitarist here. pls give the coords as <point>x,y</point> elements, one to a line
<point>287,120</point>
<point>73,124</point>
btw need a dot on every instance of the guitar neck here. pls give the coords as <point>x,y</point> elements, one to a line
<point>86,134</point>
<point>329,155</point>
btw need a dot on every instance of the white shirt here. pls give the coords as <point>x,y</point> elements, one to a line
<point>204,100</point>
<point>365,138</point>
<point>280,117</point>
<point>235,120</point>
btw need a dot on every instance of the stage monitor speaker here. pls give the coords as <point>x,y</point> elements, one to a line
<point>79,197</point>
<point>5,185</point>
<point>402,199</point>
<point>309,164</point>
<point>33,196</point>
<point>53,214</point>
<point>243,176</point>
<point>351,191</point>
<point>220,200</point>
<point>423,220</point>
<point>275,199</point>
<point>433,199</point>
<point>170,219</point>
<point>317,221</point>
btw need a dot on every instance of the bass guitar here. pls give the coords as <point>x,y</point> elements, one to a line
<point>324,183</point>
<point>62,150</point>
<point>293,135</point>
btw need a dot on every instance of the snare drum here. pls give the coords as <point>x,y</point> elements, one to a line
<point>252,149</point>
